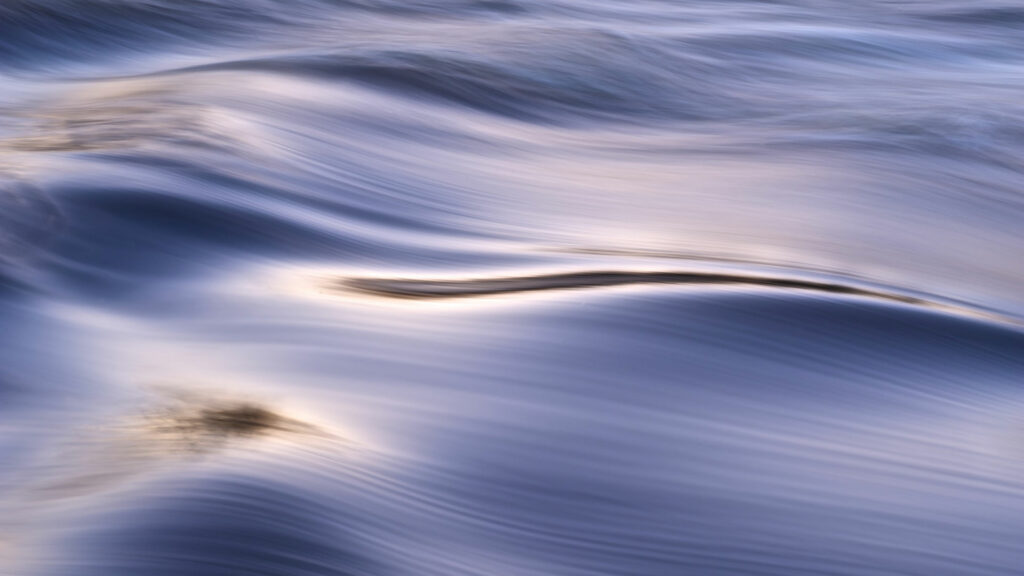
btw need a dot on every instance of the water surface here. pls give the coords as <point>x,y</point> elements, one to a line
<point>505,287</point>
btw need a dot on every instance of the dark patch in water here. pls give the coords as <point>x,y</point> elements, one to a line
<point>189,425</point>
<point>243,420</point>
<point>207,427</point>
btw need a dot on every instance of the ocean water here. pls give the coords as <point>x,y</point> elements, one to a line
<point>511,287</point>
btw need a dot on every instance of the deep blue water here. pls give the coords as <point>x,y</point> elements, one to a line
<point>511,288</point>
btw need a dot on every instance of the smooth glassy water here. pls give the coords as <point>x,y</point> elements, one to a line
<point>511,287</point>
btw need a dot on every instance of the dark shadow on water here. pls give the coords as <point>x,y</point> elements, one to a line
<point>199,429</point>
<point>183,427</point>
<point>412,288</point>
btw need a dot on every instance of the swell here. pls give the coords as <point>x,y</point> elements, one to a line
<point>276,528</point>
<point>31,31</point>
<point>36,31</point>
<point>564,75</point>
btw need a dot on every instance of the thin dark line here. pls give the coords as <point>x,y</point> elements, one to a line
<point>419,288</point>
<point>432,289</point>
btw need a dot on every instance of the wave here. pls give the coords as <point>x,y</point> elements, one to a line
<point>817,208</point>
<point>40,33</point>
<point>536,75</point>
<point>275,529</point>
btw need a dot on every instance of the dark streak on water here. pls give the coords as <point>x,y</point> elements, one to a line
<point>816,369</point>
<point>415,288</point>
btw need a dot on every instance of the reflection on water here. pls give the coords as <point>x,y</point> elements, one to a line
<point>745,294</point>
